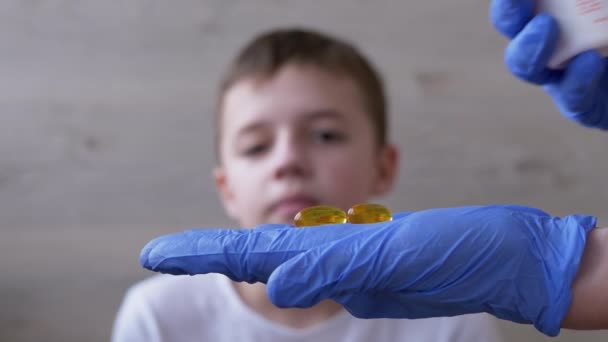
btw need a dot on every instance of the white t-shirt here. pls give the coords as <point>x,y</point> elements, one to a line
<point>208,308</point>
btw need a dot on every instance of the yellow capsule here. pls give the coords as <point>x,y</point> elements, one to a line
<point>369,213</point>
<point>316,216</point>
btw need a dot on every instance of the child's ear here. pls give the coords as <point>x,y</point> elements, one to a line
<point>388,162</point>
<point>223,189</point>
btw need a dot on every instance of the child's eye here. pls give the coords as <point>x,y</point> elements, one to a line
<point>254,150</point>
<point>329,136</point>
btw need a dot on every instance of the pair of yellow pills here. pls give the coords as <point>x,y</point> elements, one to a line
<point>360,213</point>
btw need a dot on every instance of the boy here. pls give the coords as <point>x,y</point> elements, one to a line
<point>301,122</point>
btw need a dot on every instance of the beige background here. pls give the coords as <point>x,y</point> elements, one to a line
<point>105,141</point>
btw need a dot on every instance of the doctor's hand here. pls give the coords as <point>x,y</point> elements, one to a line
<point>516,263</point>
<point>580,90</point>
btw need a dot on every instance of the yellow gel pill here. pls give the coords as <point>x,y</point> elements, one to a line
<point>318,215</point>
<point>369,213</point>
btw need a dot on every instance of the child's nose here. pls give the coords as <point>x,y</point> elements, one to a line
<point>291,159</point>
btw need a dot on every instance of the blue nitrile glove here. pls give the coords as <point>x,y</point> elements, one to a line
<point>580,91</point>
<point>516,263</point>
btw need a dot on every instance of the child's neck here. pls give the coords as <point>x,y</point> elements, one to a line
<point>254,296</point>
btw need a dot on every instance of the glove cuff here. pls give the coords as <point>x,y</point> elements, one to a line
<point>563,261</point>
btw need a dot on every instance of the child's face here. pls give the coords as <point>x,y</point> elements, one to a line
<point>298,139</point>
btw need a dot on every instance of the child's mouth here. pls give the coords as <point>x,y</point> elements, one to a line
<point>288,207</point>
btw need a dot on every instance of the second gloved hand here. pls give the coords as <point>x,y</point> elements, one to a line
<point>516,263</point>
<point>580,91</point>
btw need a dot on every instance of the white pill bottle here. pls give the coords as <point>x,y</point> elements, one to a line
<point>583,26</point>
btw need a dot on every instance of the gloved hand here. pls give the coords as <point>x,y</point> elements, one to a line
<point>580,91</point>
<point>516,263</point>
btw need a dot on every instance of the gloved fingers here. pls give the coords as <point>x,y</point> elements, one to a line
<point>321,273</point>
<point>528,54</point>
<point>578,93</point>
<point>265,227</point>
<point>378,304</point>
<point>208,251</point>
<point>509,17</point>
<point>242,254</point>
<point>530,210</point>
<point>398,216</point>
